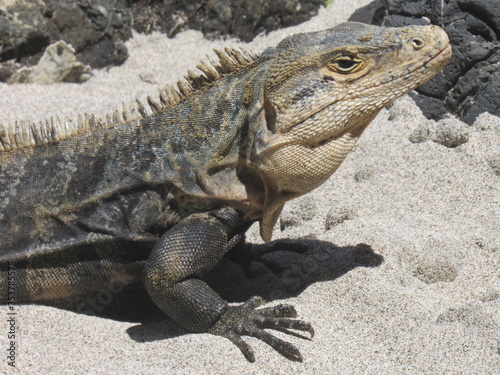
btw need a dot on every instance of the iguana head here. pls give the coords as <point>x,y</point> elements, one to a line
<point>321,91</point>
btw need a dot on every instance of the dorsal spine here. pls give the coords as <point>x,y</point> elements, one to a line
<point>22,134</point>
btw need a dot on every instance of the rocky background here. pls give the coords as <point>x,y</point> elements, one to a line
<point>94,31</point>
<point>241,18</point>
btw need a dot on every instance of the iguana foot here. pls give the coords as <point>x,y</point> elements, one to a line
<point>245,320</point>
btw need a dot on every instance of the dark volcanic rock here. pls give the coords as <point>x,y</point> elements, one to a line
<point>24,31</point>
<point>241,18</point>
<point>372,13</point>
<point>477,91</point>
<point>95,29</point>
<point>470,83</point>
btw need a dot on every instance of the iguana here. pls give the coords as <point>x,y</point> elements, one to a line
<point>161,193</point>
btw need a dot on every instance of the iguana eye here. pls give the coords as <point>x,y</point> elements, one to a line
<point>345,64</point>
<point>417,43</point>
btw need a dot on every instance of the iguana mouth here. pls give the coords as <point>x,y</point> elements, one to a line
<point>443,54</point>
<point>446,50</point>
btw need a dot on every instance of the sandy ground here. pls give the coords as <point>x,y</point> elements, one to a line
<point>401,275</point>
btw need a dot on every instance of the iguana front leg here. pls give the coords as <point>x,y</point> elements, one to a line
<point>173,279</point>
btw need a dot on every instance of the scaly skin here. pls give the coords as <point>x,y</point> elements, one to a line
<point>164,196</point>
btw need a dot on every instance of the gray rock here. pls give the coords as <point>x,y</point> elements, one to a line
<point>96,30</point>
<point>58,64</point>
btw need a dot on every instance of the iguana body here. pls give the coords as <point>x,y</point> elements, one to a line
<point>162,196</point>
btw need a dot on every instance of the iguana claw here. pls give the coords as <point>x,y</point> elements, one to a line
<point>245,320</point>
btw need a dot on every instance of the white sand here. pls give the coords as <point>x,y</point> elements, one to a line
<point>432,212</point>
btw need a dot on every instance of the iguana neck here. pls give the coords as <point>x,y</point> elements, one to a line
<point>203,146</point>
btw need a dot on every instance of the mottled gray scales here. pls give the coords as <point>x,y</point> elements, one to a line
<point>161,192</point>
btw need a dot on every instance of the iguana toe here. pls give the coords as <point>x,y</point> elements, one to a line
<point>246,320</point>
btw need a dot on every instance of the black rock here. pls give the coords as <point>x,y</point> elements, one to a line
<point>241,18</point>
<point>95,29</point>
<point>24,31</point>
<point>372,13</point>
<point>477,91</point>
<point>470,83</point>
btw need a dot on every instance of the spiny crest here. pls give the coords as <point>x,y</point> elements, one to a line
<point>24,134</point>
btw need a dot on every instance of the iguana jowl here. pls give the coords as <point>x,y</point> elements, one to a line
<point>161,195</point>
